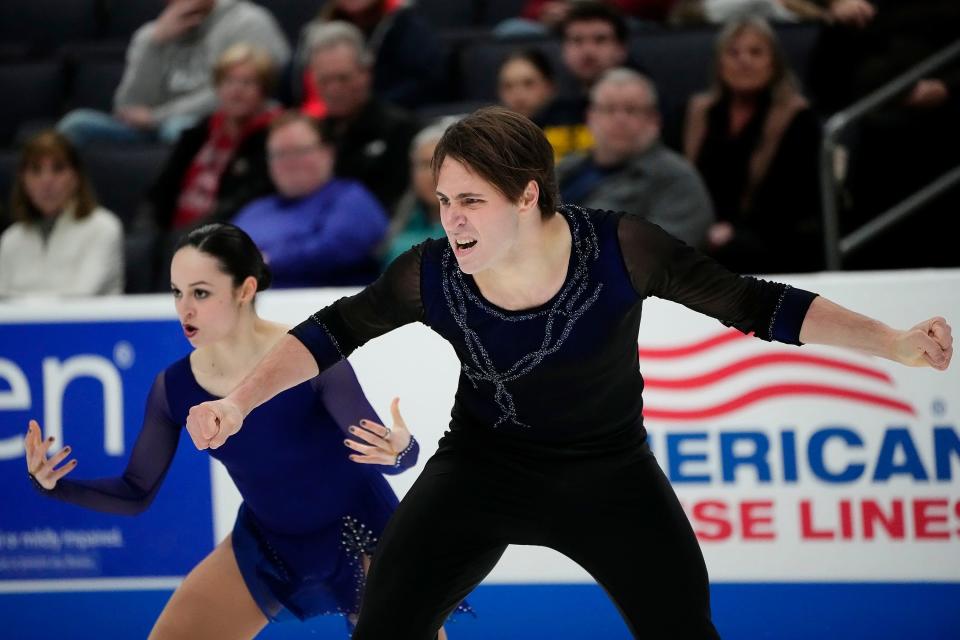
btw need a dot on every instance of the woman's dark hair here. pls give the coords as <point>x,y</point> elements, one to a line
<point>50,144</point>
<point>535,57</point>
<point>237,254</point>
<point>505,149</point>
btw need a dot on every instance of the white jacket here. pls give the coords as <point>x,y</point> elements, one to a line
<point>81,257</point>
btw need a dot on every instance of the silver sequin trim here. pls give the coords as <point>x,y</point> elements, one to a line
<point>574,299</point>
<point>329,334</point>
<point>776,310</point>
<point>400,455</point>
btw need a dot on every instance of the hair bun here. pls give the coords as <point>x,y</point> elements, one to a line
<point>264,278</point>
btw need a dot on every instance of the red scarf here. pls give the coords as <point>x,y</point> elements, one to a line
<point>198,190</point>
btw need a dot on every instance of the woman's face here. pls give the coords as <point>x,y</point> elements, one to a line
<point>480,222</point>
<point>523,88</point>
<point>746,64</point>
<point>50,183</point>
<point>241,96</point>
<point>207,303</point>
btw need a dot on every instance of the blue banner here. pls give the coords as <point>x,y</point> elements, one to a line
<point>87,383</point>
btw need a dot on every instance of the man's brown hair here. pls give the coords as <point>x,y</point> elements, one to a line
<point>505,149</point>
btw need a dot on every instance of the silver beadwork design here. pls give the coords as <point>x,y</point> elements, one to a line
<point>357,540</point>
<point>407,450</point>
<point>330,335</point>
<point>776,310</point>
<point>576,296</point>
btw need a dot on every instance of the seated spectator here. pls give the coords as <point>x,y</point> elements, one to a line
<point>594,40</point>
<point>166,84</point>
<point>318,231</point>
<point>756,143</point>
<point>909,141</point>
<point>417,217</point>
<point>408,60</point>
<point>62,243</point>
<point>220,164</point>
<point>372,137</point>
<point>629,169</point>
<point>525,83</point>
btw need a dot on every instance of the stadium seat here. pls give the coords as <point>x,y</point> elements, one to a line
<point>46,25</point>
<point>31,91</point>
<point>121,175</point>
<point>94,83</point>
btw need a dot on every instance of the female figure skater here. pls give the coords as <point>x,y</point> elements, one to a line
<point>310,517</point>
<point>542,306</point>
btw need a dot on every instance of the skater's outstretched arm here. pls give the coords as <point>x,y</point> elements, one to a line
<point>927,344</point>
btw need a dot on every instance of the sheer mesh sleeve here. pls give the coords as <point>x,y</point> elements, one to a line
<point>152,454</point>
<point>334,332</point>
<point>662,266</point>
<point>342,395</point>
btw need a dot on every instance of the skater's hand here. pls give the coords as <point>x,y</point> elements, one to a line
<point>383,444</point>
<point>928,344</point>
<point>211,423</point>
<point>42,468</point>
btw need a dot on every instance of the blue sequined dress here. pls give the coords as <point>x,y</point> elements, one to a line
<point>308,512</point>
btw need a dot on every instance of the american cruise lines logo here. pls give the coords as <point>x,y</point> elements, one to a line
<point>729,371</point>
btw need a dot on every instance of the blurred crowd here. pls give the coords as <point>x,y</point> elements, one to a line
<point>311,125</point>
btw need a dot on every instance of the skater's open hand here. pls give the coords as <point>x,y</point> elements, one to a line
<point>928,344</point>
<point>211,423</point>
<point>383,444</point>
<point>44,469</point>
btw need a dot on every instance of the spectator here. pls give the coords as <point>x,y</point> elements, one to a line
<point>166,84</point>
<point>629,169</point>
<point>409,64</point>
<point>756,142</point>
<point>62,243</point>
<point>525,83</point>
<point>318,230</point>
<point>594,39</point>
<point>219,165</point>
<point>417,217</point>
<point>372,137</point>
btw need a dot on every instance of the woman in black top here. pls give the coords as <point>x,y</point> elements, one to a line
<point>546,444</point>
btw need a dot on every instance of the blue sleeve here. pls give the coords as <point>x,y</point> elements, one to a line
<point>153,452</point>
<point>344,399</point>
<point>353,227</point>
<point>662,266</point>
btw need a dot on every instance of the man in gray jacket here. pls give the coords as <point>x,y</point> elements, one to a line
<point>167,84</point>
<point>629,169</point>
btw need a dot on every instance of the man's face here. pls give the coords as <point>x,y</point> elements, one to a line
<point>622,119</point>
<point>590,47</point>
<point>343,82</point>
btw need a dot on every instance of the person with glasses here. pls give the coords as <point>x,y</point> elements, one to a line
<point>371,135</point>
<point>318,230</point>
<point>628,168</point>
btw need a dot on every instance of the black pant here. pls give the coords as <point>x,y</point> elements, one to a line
<point>616,516</point>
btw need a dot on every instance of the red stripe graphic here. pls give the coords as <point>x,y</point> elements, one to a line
<point>764,360</point>
<point>690,349</point>
<point>777,390</point>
